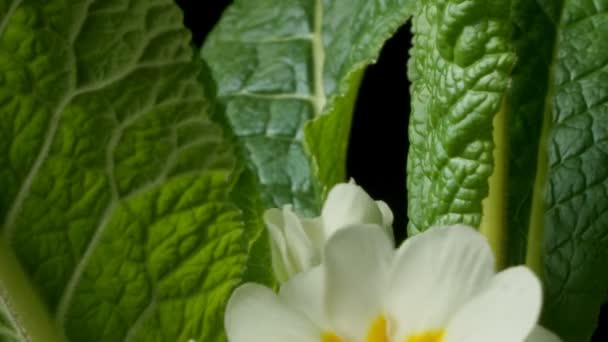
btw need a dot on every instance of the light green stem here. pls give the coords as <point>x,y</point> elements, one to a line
<point>29,315</point>
<point>534,257</point>
<point>493,219</point>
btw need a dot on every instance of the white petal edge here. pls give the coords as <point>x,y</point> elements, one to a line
<point>387,219</point>
<point>540,334</point>
<point>506,311</point>
<point>357,259</point>
<point>299,247</point>
<point>291,240</point>
<point>256,314</point>
<point>273,219</point>
<point>387,214</point>
<point>305,292</point>
<point>434,274</point>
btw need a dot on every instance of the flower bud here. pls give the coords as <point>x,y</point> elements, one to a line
<point>295,242</point>
<point>348,204</point>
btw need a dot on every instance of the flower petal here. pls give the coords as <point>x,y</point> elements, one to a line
<point>433,274</point>
<point>313,227</point>
<point>540,334</point>
<point>256,314</point>
<point>346,204</point>
<point>357,259</point>
<point>506,311</point>
<point>278,246</point>
<point>294,248</point>
<point>305,292</point>
<point>387,214</point>
<point>299,247</point>
<point>387,219</point>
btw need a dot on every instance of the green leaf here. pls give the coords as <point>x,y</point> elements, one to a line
<point>576,208</point>
<point>557,163</point>
<point>8,332</point>
<point>288,73</point>
<point>459,69</point>
<point>117,213</point>
<point>534,39</point>
<point>22,317</point>
<point>531,175</point>
<point>245,195</point>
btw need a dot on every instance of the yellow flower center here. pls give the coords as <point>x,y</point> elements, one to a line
<point>378,332</point>
<point>428,336</point>
<point>330,337</point>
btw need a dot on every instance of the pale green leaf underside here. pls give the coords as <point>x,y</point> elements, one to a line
<point>115,184</point>
<point>281,64</point>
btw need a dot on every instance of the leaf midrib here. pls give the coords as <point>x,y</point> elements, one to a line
<point>9,224</point>
<point>26,311</point>
<point>25,307</point>
<point>9,15</point>
<point>5,309</point>
<point>494,216</point>
<point>318,52</point>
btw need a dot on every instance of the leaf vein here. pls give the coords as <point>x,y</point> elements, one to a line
<point>9,15</point>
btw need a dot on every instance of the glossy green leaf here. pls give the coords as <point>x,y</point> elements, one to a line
<point>117,213</point>
<point>558,164</point>
<point>576,195</point>
<point>527,163</point>
<point>459,69</point>
<point>288,74</point>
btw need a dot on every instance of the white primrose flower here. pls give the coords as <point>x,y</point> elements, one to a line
<point>439,286</point>
<point>297,243</point>
<point>348,204</point>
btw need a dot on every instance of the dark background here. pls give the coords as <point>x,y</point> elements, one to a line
<point>378,146</point>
